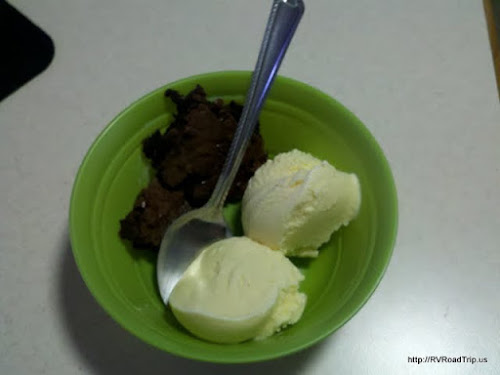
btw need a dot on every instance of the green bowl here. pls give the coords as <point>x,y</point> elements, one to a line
<point>337,283</point>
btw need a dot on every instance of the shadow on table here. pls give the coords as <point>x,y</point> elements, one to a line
<point>106,348</point>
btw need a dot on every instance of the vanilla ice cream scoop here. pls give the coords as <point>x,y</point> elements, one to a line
<point>295,202</point>
<point>236,290</point>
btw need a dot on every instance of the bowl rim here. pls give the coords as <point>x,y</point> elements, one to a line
<point>392,235</point>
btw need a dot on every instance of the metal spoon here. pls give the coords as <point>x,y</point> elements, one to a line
<point>195,230</point>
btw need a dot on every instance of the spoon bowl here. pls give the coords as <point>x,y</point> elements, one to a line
<point>186,237</point>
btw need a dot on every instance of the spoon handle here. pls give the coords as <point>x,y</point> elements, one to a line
<point>281,25</point>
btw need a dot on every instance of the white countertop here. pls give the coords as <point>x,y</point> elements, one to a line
<point>419,74</point>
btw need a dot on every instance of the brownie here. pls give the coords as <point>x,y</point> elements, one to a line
<point>154,209</point>
<point>188,158</point>
<point>190,154</point>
